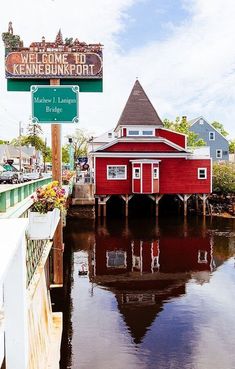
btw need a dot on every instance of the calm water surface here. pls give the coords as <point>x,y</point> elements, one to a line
<point>155,296</point>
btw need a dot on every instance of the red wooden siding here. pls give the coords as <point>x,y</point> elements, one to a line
<point>175,137</point>
<point>124,132</point>
<point>140,147</point>
<point>175,176</point>
<point>146,178</point>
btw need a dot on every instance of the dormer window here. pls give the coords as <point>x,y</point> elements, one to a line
<point>140,132</point>
<point>133,133</point>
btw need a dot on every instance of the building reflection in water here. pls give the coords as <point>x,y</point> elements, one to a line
<point>145,265</point>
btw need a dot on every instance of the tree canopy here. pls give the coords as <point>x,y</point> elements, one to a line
<point>219,126</point>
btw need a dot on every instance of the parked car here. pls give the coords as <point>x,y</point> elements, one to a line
<point>31,176</point>
<point>9,177</point>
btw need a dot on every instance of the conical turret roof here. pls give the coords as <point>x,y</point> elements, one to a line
<point>139,109</point>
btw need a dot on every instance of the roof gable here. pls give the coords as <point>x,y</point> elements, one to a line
<point>196,121</point>
<point>139,110</point>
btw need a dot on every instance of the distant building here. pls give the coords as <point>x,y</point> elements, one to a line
<point>30,158</point>
<point>219,145</point>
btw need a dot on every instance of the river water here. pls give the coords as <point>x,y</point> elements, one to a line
<point>147,294</point>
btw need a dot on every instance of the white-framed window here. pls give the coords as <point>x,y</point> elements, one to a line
<point>110,134</point>
<point>155,173</point>
<point>202,257</point>
<point>116,171</point>
<point>201,121</point>
<point>211,136</point>
<point>219,154</point>
<point>147,132</point>
<point>116,259</point>
<point>140,132</point>
<point>133,132</point>
<point>136,262</point>
<point>202,173</point>
<point>136,173</point>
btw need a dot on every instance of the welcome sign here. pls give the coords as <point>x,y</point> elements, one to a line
<point>26,64</point>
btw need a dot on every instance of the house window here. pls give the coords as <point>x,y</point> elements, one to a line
<point>201,121</point>
<point>219,154</point>
<point>133,133</point>
<point>155,173</point>
<point>116,259</point>
<point>211,136</point>
<point>110,134</point>
<point>147,133</point>
<point>136,173</point>
<point>202,257</point>
<point>202,173</point>
<point>136,262</point>
<point>116,171</point>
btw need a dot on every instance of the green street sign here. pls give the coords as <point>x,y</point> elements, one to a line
<point>54,104</point>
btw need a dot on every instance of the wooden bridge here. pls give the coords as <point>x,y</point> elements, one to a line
<point>30,333</point>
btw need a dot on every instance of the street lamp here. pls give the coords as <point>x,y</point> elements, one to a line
<point>71,154</point>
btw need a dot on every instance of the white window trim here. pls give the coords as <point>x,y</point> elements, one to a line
<point>198,173</point>
<point>156,176</point>
<point>212,139</point>
<point>201,260</point>
<point>116,179</point>
<point>134,173</point>
<point>140,132</point>
<point>129,130</point>
<point>221,154</point>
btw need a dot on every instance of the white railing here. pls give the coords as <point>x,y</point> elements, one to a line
<point>13,298</point>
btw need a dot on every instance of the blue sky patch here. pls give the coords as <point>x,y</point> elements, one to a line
<point>151,20</point>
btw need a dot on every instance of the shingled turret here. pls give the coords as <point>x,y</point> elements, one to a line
<point>139,110</point>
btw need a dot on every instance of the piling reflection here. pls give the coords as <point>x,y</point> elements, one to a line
<point>149,270</point>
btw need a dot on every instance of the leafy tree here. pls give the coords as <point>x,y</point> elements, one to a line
<point>182,126</point>
<point>219,126</point>
<point>2,142</point>
<point>223,177</point>
<point>65,154</point>
<point>79,142</point>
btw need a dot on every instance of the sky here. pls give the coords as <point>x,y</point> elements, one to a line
<point>182,52</point>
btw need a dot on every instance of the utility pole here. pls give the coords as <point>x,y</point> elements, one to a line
<point>20,150</point>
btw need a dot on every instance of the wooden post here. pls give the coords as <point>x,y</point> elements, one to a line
<point>56,153</point>
<point>203,198</point>
<point>184,199</point>
<point>196,203</point>
<point>104,209</point>
<point>126,206</point>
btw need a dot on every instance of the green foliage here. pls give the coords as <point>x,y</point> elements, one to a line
<point>79,142</point>
<point>232,146</point>
<point>223,177</point>
<point>2,142</point>
<point>219,126</point>
<point>65,154</point>
<point>182,126</point>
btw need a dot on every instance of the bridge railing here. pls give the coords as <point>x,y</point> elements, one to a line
<point>11,195</point>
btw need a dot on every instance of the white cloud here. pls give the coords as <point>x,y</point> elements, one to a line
<point>190,73</point>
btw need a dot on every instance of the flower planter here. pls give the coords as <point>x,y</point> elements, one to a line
<point>43,226</point>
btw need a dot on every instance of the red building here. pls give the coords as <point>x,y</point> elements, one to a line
<point>145,158</point>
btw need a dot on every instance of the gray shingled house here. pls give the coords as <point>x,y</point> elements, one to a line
<point>219,145</point>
